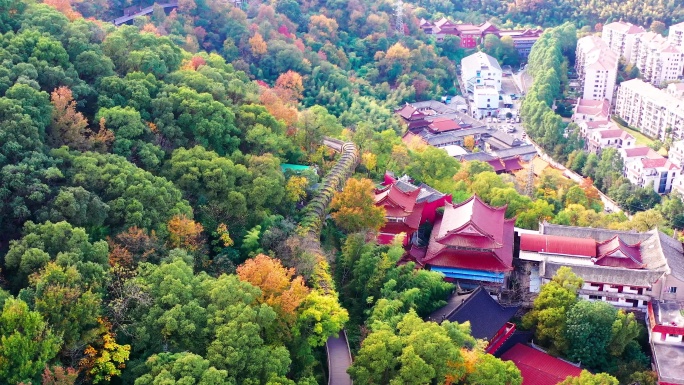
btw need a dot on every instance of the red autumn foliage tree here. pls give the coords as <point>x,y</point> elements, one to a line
<point>278,289</point>
<point>131,247</point>
<point>59,376</point>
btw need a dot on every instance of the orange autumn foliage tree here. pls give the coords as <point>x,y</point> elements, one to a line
<point>278,289</point>
<point>64,6</point>
<point>69,127</point>
<point>185,233</point>
<point>590,191</point>
<point>289,85</point>
<point>280,109</point>
<point>102,141</point>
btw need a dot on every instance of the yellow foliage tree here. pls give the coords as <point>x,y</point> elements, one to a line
<point>296,188</point>
<point>369,161</point>
<point>106,359</point>
<point>354,207</point>
<point>257,44</point>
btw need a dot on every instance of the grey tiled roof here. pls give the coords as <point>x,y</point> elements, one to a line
<point>485,314</point>
<point>524,151</point>
<point>481,156</point>
<point>609,275</point>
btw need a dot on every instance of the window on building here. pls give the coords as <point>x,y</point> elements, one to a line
<point>597,297</point>
<point>672,289</point>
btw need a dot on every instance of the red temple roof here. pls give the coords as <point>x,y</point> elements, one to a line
<point>472,225</point>
<point>512,164</point>
<point>497,164</point>
<point>443,125</point>
<point>584,247</point>
<point>616,253</point>
<point>539,368</point>
<point>400,204</point>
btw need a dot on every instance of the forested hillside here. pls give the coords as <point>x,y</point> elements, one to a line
<point>549,13</point>
<point>150,234</point>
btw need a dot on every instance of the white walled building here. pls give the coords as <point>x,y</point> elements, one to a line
<point>480,69</point>
<point>664,62</point>
<point>658,59</point>
<point>620,37</point>
<point>655,112</point>
<point>676,35</point>
<point>644,167</point>
<point>485,101</point>
<point>676,90</point>
<point>591,110</point>
<point>676,154</point>
<point>609,137</point>
<point>596,66</point>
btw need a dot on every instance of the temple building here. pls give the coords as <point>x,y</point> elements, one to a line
<point>471,244</point>
<point>407,206</point>
<point>623,268</point>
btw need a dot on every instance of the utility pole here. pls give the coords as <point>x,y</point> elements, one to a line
<point>399,14</point>
<point>529,189</point>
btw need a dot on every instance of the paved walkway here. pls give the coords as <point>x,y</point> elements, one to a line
<point>339,360</point>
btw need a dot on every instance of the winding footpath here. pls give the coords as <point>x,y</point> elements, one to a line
<point>337,347</point>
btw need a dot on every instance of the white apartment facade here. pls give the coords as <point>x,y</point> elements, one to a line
<point>480,69</point>
<point>664,62</point>
<point>658,59</point>
<point>655,112</point>
<point>620,37</point>
<point>597,67</point>
<point>676,34</point>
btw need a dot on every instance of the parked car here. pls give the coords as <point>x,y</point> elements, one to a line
<point>510,129</point>
<point>489,119</point>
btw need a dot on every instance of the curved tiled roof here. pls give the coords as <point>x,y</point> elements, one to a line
<point>614,252</point>
<point>472,235</point>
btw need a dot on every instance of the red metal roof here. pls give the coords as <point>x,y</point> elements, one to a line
<point>539,368</point>
<point>583,247</point>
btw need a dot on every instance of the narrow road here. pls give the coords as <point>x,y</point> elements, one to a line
<point>339,360</point>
